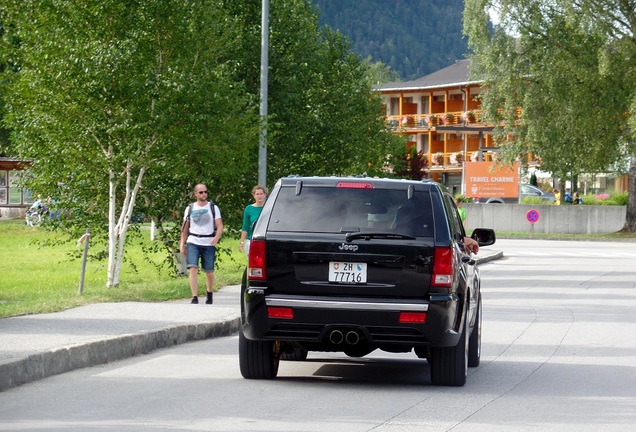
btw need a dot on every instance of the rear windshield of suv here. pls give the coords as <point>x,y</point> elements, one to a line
<point>334,210</point>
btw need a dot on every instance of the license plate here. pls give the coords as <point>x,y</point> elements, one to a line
<point>347,272</point>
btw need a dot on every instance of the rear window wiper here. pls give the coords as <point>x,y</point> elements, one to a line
<point>369,235</point>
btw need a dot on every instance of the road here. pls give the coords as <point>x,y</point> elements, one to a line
<point>559,354</point>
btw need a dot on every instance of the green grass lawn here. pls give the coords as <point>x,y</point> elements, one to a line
<point>38,279</point>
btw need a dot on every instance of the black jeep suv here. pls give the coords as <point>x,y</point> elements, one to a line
<point>357,264</point>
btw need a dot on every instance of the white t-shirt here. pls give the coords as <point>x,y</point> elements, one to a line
<point>201,223</point>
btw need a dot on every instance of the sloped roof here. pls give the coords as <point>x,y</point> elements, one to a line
<point>451,76</point>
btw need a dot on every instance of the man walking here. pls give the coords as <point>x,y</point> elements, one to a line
<point>201,231</point>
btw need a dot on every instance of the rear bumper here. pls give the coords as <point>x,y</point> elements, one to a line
<point>375,320</point>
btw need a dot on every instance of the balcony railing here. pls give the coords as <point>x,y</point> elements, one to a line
<point>456,159</point>
<point>428,121</point>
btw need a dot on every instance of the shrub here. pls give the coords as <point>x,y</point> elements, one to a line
<point>605,199</point>
<point>618,199</point>
<point>534,201</point>
<point>411,164</point>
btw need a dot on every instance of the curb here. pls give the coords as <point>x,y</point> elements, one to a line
<point>60,360</point>
<point>490,257</point>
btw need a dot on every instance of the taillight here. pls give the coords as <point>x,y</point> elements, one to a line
<point>412,317</point>
<point>256,261</point>
<point>443,260</point>
<point>280,312</point>
<point>355,185</point>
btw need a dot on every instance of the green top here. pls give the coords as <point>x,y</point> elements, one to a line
<point>250,215</point>
<point>462,213</point>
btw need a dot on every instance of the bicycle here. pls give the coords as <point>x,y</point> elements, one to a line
<point>34,216</point>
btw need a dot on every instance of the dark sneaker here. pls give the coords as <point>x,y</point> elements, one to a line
<point>195,300</point>
<point>209,299</point>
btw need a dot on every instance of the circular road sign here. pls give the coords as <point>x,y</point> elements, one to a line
<point>532,216</point>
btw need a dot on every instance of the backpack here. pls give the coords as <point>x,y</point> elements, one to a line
<point>211,203</point>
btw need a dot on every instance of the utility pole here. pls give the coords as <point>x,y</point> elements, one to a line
<point>262,143</point>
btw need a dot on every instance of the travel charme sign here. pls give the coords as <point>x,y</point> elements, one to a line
<point>487,179</point>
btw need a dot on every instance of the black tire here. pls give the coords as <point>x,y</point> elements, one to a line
<point>299,354</point>
<point>33,220</point>
<point>257,359</point>
<point>449,365</point>
<point>474,343</point>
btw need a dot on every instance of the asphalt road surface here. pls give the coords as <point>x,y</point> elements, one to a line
<point>559,354</point>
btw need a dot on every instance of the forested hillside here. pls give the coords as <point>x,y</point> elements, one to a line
<point>413,37</point>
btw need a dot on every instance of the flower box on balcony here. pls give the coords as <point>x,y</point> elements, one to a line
<point>409,121</point>
<point>470,117</point>
<point>432,120</point>
<point>438,158</point>
<point>457,158</point>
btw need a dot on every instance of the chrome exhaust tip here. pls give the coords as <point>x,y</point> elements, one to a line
<point>352,338</point>
<point>336,337</point>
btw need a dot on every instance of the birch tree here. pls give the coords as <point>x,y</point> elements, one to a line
<point>109,94</point>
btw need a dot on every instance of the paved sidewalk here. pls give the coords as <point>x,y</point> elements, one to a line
<point>33,347</point>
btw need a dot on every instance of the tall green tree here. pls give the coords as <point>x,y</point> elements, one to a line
<point>324,116</point>
<point>569,66</point>
<point>380,73</point>
<point>114,95</point>
<point>4,132</point>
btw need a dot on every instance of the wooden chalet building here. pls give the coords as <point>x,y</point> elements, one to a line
<point>440,115</point>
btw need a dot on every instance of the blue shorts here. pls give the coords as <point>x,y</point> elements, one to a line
<point>206,253</point>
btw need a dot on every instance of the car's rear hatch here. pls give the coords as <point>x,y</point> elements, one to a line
<point>351,240</point>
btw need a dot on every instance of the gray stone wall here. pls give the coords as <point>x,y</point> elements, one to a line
<point>12,212</point>
<point>561,219</point>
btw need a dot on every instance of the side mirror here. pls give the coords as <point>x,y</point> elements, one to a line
<point>484,236</point>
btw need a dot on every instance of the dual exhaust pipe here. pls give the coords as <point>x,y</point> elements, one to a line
<point>337,337</point>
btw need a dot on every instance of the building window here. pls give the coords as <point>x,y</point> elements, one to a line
<point>3,187</point>
<point>395,106</point>
<point>424,143</point>
<point>13,194</point>
<point>424,102</point>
